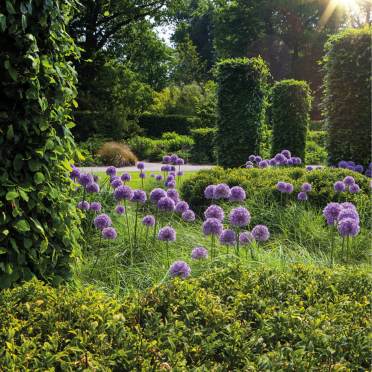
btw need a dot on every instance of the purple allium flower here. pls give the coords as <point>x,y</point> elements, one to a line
<point>95,206</point>
<point>123,193</point>
<point>92,187</point>
<point>125,177</point>
<point>85,179</point>
<point>180,269</point>
<point>172,174</point>
<point>166,159</point>
<point>228,237</point>
<point>331,212</point>
<point>172,168</point>
<point>212,226</point>
<point>248,166</point>
<point>222,191</point>
<point>157,194</point>
<point>261,233</point>
<point>249,163</point>
<point>140,165</point>
<point>109,233</point>
<point>359,168</point>
<point>181,207</point>
<point>173,194</point>
<point>246,238</point>
<point>83,205</point>
<point>348,205</point>
<point>280,158</point>
<point>167,234</point>
<point>120,209</point>
<point>199,253</point>
<point>354,189</point>
<point>281,186</point>
<point>166,204</point>
<point>174,158</point>
<point>159,177</point>
<point>102,221</point>
<point>180,161</point>
<point>286,153</point>
<point>290,161</point>
<point>297,160</point>
<point>139,196</point>
<point>75,173</point>
<point>349,180</point>
<point>209,191</point>
<point>180,173</point>
<point>306,187</point>
<point>171,184</point>
<point>339,186</point>
<point>263,164</point>
<point>165,168</point>
<point>302,196</point>
<point>289,188</point>
<point>111,171</point>
<point>148,221</point>
<point>115,183</point>
<point>342,164</point>
<point>170,177</point>
<point>348,213</point>
<point>142,175</point>
<point>368,172</point>
<point>272,162</point>
<point>188,216</point>
<point>257,159</point>
<point>214,211</point>
<point>240,217</point>
<point>309,167</point>
<point>348,227</point>
<point>252,158</point>
<point>237,194</point>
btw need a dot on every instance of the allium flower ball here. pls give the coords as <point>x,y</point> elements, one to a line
<point>159,177</point>
<point>249,166</point>
<point>123,193</point>
<point>95,206</point>
<point>237,194</point>
<point>199,253</point>
<point>252,158</point>
<point>354,189</point>
<point>75,173</point>
<point>83,205</point>
<point>306,187</point>
<point>188,216</point>
<point>222,191</point>
<point>290,161</point>
<point>261,233</point>
<point>180,173</point>
<point>263,164</point>
<point>286,153</point>
<point>180,161</point>
<point>359,168</point>
<point>120,209</point>
<point>170,178</point>
<point>209,191</point>
<point>142,175</point>
<point>302,196</point>
<point>139,196</point>
<point>111,171</point>
<point>348,205</point>
<point>240,217</point>
<point>272,162</point>
<point>228,237</point>
<point>92,187</point>
<point>102,221</point>
<point>180,269</point>
<point>339,186</point>
<point>246,238</point>
<point>171,184</point>
<point>125,177</point>
<point>348,180</point>
<point>166,159</point>
<point>157,194</point>
<point>148,221</point>
<point>173,194</point>
<point>165,168</point>
<point>348,227</point>
<point>167,234</point>
<point>214,211</point>
<point>140,165</point>
<point>116,183</point>
<point>296,160</point>
<point>181,207</point>
<point>348,213</point>
<point>331,212</point>
<point>257,159</point>
<point>280,158</point>
<point>309,167</point>
<point>174,158</point>
<point>249,163</point>
<point>288,188</point>
<point>166,204</point>
<point>109,233</point>
<point>212,226</point>
<point>85,179</point>
<point>342,164</point>
<point>281,186</point>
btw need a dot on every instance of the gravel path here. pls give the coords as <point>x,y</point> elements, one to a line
<point>150,167</point>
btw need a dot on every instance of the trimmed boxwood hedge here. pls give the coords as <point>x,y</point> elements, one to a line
<point>227,319</point>
<point>242,100</point>
<point>347,95</point>
<point>203,151</point>
<point>290,115</point>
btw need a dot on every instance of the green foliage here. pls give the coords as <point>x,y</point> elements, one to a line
<point>347,96</point>
<point>203,151</point>
<point>305,318</point>
<point>242,100</point>
<point>290,114</point>
<point>316,147</point>
<point>39,227</point>
<point>155,125</point>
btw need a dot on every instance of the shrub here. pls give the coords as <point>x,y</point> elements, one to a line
<point>203,151</point>
<point>242,96</point>
<point>347,95</point>
<point>291,104</point>
<point>316,151</point>
<point>155,125</point>
<point>39,225</point>
<point>116,154</point>
<point>303,319</point>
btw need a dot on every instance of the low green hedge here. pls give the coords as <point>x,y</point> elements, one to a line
<point>229,319</point>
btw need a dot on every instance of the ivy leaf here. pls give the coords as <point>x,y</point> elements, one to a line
<point>22,226</point>
<point>2,22</point>
<point>11,195</point>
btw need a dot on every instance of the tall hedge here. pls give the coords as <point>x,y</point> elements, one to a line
<point>242,100</point>
<point>203,151</point>
<point>38,223</point>
<point>290,116</point>
<point>347,95</point>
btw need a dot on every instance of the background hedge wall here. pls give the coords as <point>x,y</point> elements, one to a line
<point>203,151</point>
<point>290,110</point>
<point>242,100</point>
<point>347,95</point>
<point>38,223</point>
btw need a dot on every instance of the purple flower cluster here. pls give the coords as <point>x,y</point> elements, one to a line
<point>348,183</point>
<point>148,220</point>
<point>240,217</point>
<point>95,206</point>
<point>102,221</point>
<point>352,166</point>
<point>246,238</point>
<point>188,216</point>
<point>284,187</point>
<point>109,233</point>
<point>212,226</point>
<point>228,237</point>
<point>199,253</point>
<point>261,233</point>
<point>237,194</point>
<point>214,211</point>
<point>180,269</point>
<point>167,234</point>
<point>283,158</point>
<point>222,191</point>
<point>123,193</point>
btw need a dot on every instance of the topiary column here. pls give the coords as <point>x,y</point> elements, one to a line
<point>242,100</point>
<point>290,116</point>
<point>347,96</point>
<point>38,223</point>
